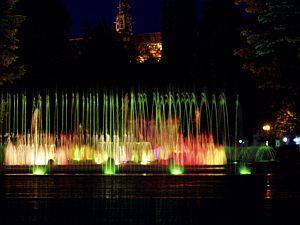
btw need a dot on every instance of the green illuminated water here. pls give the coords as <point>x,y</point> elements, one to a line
<point>134,126</point>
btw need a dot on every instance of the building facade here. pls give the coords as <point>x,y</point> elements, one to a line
<point>124,22</point>
<point>141,47</point>
<point>148,47</point>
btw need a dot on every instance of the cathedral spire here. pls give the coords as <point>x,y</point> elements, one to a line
<point>124,19</point>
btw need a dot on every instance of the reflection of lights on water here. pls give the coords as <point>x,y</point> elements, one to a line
<point>268,193</point>
<point>268,188</point>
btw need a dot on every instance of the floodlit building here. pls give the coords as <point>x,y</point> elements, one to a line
<point>148,47</point>
<point>124,23</point>
<point>143,47</point>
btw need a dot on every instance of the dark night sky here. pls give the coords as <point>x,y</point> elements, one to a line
<point>145,13</point>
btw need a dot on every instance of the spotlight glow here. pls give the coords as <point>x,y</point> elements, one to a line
<point>136,127</point>
<point>109,167</point>
<point>109,171</point>
<point>244,170</point>
<point>176,170</point>
<point>39,170</point>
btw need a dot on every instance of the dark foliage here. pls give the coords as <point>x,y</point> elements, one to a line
<point>10,21</point>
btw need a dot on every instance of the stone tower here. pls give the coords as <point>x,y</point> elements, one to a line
<point>124,19</point>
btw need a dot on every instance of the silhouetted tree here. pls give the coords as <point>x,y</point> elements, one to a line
<point>10,66</point>
<point>43,37</point>
<point>272,52</point>
<point>218,36</point>
<point>101,51</point>
<point>286,121</point>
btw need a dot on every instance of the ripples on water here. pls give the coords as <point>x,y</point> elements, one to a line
<point>150,199</point>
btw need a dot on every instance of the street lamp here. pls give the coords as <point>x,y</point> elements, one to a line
<point>266,128</point>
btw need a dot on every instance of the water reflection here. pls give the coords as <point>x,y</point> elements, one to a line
<point>268,187</point>
<point>151,199</point>
<point>111,187</point>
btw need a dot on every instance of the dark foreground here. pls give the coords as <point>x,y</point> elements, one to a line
<point>265,198</point>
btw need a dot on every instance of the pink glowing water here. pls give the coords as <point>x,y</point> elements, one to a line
<point>122,128</point>
<point>200,150</point>
<point>186,151</point>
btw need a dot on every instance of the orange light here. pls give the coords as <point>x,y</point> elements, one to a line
<point>266,127</point>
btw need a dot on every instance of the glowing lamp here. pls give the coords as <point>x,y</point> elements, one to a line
<point>297,140</point>
<point>266,127</point>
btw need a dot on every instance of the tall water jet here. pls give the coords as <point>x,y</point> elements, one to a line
<point>77,127</point>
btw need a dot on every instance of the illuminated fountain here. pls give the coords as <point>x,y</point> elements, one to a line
<point>89,128</point>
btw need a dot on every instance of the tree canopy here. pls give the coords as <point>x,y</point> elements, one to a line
<point>272,50</point>
<point>271,53</point>
<point>10,66</point>
<point>44,45</point>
